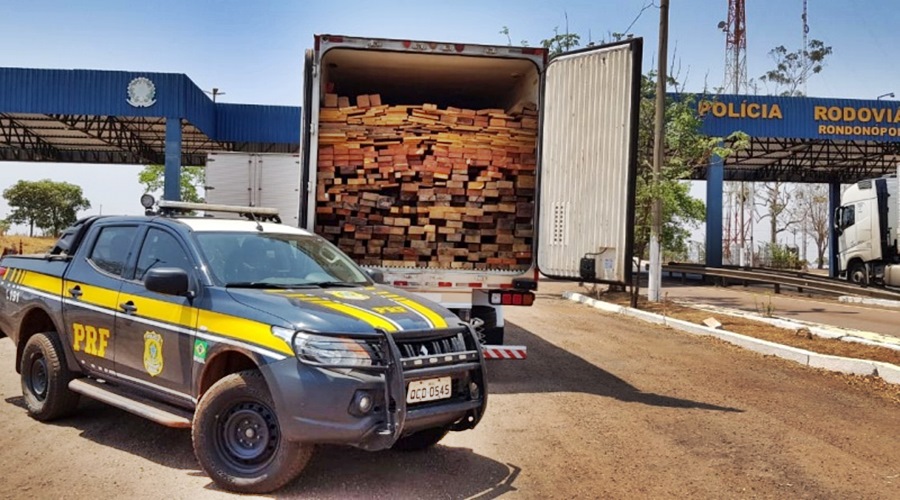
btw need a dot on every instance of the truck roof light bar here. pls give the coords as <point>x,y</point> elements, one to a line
<point>252,213</point>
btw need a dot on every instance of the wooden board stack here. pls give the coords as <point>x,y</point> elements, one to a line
<point>418,186</point>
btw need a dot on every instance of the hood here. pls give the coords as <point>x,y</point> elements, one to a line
<point>348,310</point>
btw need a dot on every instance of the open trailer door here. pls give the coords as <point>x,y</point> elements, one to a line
<point>588,156</point>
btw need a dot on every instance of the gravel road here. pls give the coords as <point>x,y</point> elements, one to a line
<point>603,408</point>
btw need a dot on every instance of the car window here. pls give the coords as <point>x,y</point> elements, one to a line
<point>160,249</point>
<point>110,252</point>
<point>849,216</point>
<point>276,258</point>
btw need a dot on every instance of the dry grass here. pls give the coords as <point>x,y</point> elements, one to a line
<point>27,244</point>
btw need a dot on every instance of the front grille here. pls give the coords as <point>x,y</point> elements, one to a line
<point>447,345</point>
<point>423,349</point>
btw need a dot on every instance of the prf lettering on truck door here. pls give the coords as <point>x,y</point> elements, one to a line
<point>90,339</point>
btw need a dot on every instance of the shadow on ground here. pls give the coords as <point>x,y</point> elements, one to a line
<point>552,369</point>
<point>441,472</point>
<point>115,428</point>
<point>333,472</point>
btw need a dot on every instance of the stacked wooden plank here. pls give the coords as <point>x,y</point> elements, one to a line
<point>418,186</point>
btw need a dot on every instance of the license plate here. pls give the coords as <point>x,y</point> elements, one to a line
<point>428,390</point>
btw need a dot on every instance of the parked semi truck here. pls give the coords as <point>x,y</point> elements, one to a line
<point>868,225</point>
<point>570,215</point>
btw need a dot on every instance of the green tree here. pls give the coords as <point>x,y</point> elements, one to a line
<point>50,206</point>
<point>152,177</point>
<point>793,69</point>
<point>561,42</point>
<point>686,149</point>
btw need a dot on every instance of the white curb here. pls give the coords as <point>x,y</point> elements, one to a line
<point>888,372</point>
<point>819,330</point>
<point>849,299</point>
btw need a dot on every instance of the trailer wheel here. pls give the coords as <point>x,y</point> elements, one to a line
<point>492,334</point>
<point>856,273</point>
<point>45,378</point>
<point>421,440</point>
<point>237,438</point>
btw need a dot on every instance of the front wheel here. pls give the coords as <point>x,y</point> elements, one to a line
<point>857,273</point>
<point>421,440</point>
<point>45,378</point>
<point>238,441</point>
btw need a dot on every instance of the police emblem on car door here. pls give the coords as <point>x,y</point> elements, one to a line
<point>153,359</point>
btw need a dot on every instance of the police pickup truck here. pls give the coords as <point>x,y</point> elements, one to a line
<point>262,338</point>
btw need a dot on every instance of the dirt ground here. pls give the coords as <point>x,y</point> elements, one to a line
<point>760,330</point>
<point>604,407</point>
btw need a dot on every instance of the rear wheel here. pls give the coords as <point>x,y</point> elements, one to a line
<point>421,440</point>
<point>856,273</point>
<point>45,378</point>
<point>490,332</point>
<point>237,438</point>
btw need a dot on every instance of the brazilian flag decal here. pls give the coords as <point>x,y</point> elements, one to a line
<point>200,350</point>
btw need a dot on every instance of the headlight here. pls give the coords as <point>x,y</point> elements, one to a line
<point>327,350</point>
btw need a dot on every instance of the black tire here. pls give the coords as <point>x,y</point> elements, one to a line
<point>45,378</point>
<point>493,336</point>
<point>421,440</point>
<point>237,438</point>
<point>856,273</point>
<point>490,332</point>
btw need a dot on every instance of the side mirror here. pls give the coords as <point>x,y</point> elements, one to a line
<point>377,276</point>
<point>168,280</point>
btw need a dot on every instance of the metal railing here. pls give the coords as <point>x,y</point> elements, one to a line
<point>801,281</point>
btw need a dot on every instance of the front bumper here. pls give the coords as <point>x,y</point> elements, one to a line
<point>314,403</point>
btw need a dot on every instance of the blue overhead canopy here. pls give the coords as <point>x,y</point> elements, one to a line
<point>801,117</point>
<point>120,117</point>
<point>802,139</point>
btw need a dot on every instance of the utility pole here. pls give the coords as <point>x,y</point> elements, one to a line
<point>659,151</point>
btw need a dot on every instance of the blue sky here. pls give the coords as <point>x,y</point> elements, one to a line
<point>253,50</point>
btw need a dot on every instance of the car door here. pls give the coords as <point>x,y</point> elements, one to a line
<point>90,293</point>
<point>154,332</point>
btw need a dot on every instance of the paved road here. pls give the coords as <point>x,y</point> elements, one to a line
<point>817,308</point>
<point>603,408</point>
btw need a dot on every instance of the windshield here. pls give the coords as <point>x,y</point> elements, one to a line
<point>268,259</point>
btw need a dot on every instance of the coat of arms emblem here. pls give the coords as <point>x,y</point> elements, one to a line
<point>153,356</point>
<point>141,92</point>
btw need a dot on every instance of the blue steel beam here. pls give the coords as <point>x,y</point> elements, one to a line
<point>715,175</point>
<point>834,201</point>
<point>172,180</point>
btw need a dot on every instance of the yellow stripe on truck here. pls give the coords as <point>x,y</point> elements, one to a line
<point>232,327</point>
<point>42,282</point>
<point>436,319</point>
<point>224,325</point>
<point>160,310</point>
<point>93,295</point>
<point>245,330</point>
<point>374,320</point>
